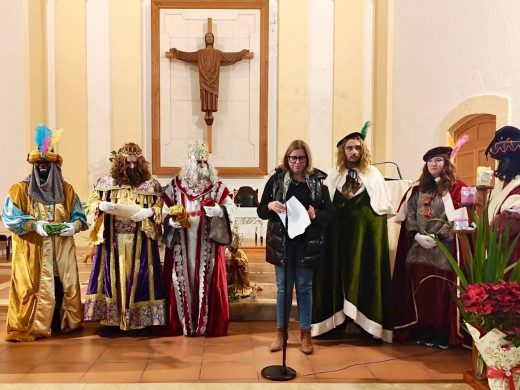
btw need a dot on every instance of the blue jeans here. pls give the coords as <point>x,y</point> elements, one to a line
<point>300,276</point>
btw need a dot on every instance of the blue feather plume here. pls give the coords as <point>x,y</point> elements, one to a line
<point>41,133</point>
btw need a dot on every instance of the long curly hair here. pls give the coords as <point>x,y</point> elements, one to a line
<point>297,144</point>
<point>124,175</point>
<point>444,185</point>
<point>341,158</point>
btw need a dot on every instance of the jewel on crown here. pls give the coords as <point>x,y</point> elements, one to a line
<point>130,149</point>
<point>198,151</point>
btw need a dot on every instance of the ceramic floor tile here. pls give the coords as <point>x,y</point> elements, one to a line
<point>293,353</point>
<point>26,353</point>
<point>108,372</point>
<point>228,353</point>
<point>350,353</point>
<point>185,352</point>
<point>350,373</point>
<point>76,353</point>
<point>244,339</point>
<point>170,370</point>
<point>12,372</point>
<point>56,373</point>
<point>127,353</point>
<point>228,371</point>
<point>401,371</point>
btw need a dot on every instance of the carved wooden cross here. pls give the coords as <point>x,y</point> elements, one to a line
<point>209,60</point>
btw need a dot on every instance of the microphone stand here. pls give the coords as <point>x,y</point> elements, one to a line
<point>282,372</point>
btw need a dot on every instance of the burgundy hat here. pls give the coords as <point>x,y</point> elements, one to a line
<point>506,141</point>
<point>444,151</point>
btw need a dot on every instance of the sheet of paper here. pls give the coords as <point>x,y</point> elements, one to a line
<point>298,218</point>
<point>125,211</point>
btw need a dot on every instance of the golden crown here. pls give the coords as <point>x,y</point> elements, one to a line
<point>197,151</point>
<point>130,149</point>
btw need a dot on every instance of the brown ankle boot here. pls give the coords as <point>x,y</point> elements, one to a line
<point>276,345</point>
<point>307,346</point>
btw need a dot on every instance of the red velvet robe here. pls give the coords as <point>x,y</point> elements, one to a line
<point>434,295</point>
<point>510,221</point>
<point>196,294</point>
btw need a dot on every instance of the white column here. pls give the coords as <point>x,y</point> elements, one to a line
<point>272,102</point>
<point>320,80</point>
<point>13,95</point>
<point>146,79</point>
<point>368,65</point>
<point>51,64</point>
<point>98,88</point>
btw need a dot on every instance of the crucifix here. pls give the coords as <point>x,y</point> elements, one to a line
<point>209,60</point>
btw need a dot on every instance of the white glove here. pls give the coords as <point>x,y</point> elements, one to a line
<point>40,228</point>
<point>425,241</point>
<point>174,224</point>
<point>69,231</point>
<point>214,211</point>
<point>106,206</point>
<point>142,214</point>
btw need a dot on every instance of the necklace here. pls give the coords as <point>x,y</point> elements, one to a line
<point>295,182</point>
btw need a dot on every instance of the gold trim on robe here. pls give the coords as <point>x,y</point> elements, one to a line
<point>31,297</point>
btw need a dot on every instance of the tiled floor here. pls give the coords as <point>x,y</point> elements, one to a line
<point>85,358</point>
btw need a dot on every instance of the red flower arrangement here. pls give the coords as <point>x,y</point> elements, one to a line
<point>494,305</point>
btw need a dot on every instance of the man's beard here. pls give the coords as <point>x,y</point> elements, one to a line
<point>351,163</point>
<point>197,177</point>
<point>133,177</point>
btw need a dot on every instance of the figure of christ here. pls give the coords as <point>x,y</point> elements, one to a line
<point>209,60</point>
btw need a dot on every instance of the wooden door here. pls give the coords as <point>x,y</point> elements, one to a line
<point>481,130</point>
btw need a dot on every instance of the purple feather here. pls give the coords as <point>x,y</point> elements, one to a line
<point>46,144</point>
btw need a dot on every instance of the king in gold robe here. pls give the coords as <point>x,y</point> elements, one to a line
<point>44,278</point>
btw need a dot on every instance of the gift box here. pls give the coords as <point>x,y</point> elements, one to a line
<point>468,195</point>
<point>178,214</point>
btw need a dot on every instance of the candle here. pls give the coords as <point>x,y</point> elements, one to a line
<point>484,176</point>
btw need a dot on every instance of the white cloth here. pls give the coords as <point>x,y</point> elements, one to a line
<point>498,200</point>
<point>375,184</point>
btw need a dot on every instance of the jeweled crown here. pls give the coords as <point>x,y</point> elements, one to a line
<point>198,151</point>
<point>130,149</point>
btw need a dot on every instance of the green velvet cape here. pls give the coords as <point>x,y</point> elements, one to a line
<point>355,278</point>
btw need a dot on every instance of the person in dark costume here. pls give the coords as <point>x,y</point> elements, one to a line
<point>504,203</point>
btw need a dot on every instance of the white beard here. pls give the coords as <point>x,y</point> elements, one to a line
<point>195,178</point>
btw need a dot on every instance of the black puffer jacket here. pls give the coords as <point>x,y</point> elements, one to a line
<point>315,234</point>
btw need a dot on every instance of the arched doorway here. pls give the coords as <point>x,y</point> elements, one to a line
<point>481,130</point>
